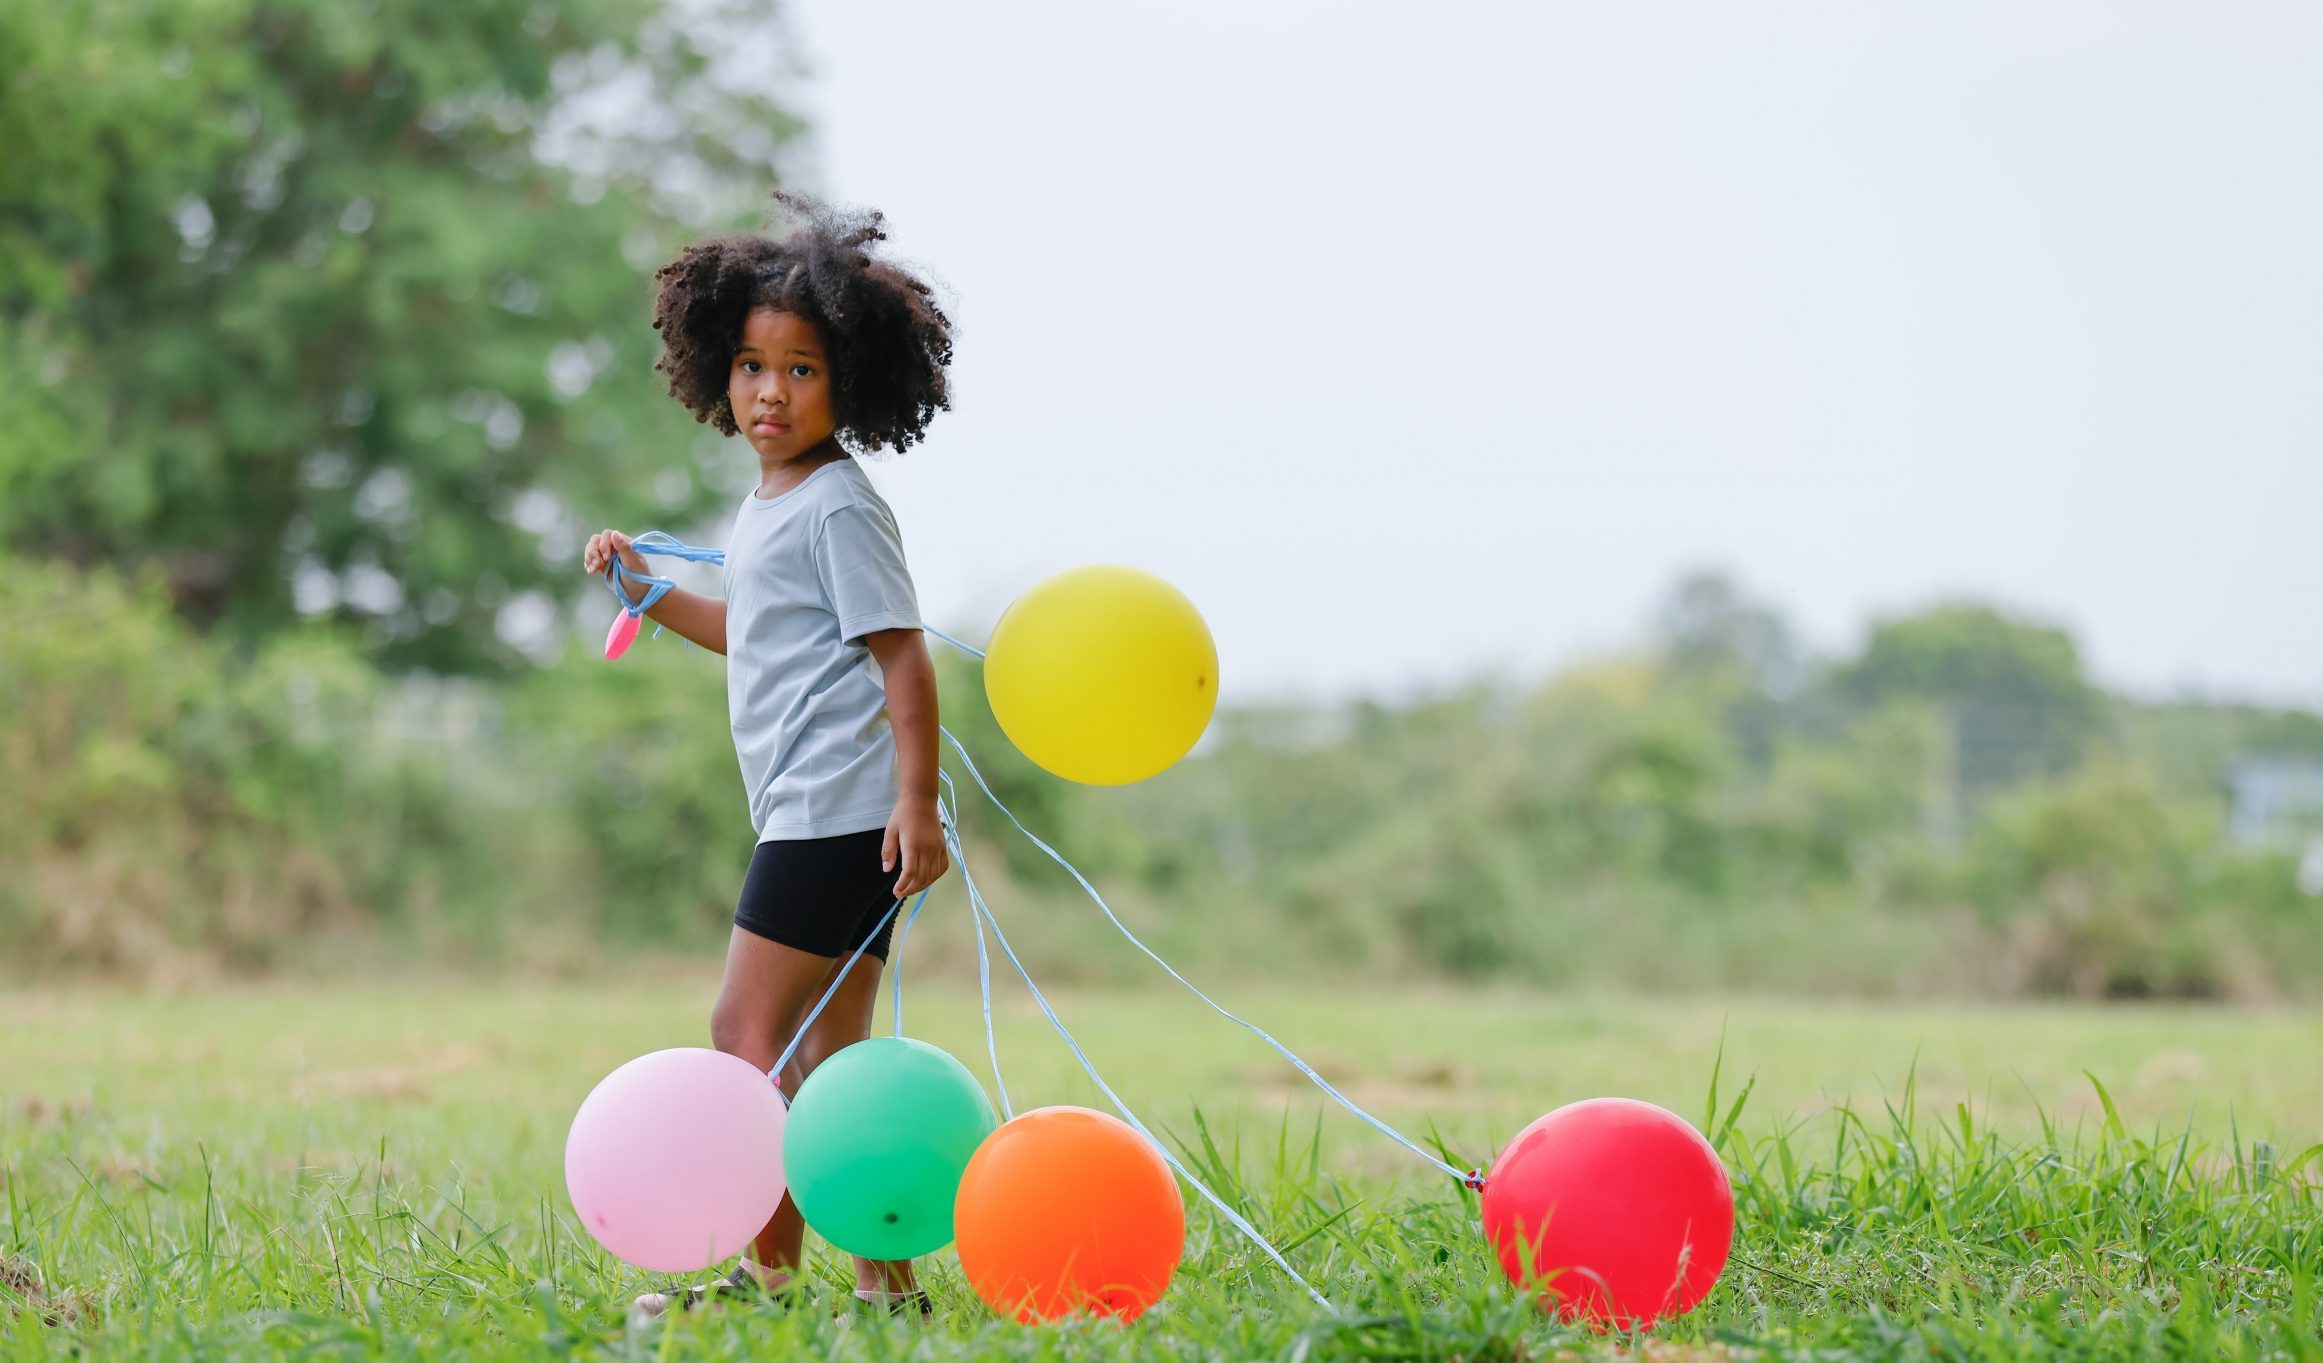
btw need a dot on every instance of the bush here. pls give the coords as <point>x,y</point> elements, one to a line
<point>180,809</point>
<point>2095,882</point>
<point>176,809</point>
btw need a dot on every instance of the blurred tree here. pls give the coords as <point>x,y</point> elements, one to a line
<point>332,309</point>
<point>1709,624</point>
<point>1712,634</point>
<point>1839,810</point>
<point>2018,702</point>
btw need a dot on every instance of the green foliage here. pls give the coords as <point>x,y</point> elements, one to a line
<point>2014,690</point>
<point>306,304</point>
<point>2095,880</point>
<point>190,809</point>
<point>635,766</point>
<point>1709,625</point>
<point>173,807</point>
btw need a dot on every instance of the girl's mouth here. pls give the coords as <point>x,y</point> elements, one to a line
<point>770,427</point>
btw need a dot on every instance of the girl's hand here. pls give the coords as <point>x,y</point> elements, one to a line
<point>601,549</point>
<point>915,836</point>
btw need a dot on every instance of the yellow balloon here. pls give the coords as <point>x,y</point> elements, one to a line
<point>1103,675</point>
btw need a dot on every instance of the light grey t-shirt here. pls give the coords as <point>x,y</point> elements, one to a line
<point>807,576</point>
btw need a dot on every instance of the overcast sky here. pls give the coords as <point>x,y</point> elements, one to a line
<point>1415,347</point>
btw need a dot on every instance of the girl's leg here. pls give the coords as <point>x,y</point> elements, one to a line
<point>767,991</point>
<point>842,1023</point>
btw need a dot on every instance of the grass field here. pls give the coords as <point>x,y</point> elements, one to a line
<point>372,1172</point>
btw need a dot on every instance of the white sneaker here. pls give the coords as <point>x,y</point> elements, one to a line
<point>742,1285</point>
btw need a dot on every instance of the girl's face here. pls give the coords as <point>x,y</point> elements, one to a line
<point>780,385</point>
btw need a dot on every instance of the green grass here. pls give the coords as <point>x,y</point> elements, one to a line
<point>372,1172</point>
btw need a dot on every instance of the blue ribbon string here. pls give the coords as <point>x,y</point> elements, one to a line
<point>775,1072</point>
<point>656,542</point>
<point>983,910</point>
<point>653,542</point>
<point>895,967</point>
<point>895,955</point>
<point>964,648</point>
<point>1471,1178</point>
<point>983,959</point>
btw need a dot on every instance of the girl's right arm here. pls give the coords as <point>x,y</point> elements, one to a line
<point>697,617</point>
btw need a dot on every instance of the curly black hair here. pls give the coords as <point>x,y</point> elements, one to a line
<point>887,341</point>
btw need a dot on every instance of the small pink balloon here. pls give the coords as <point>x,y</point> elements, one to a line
<point>617,638</point>
<point>675,1159</point>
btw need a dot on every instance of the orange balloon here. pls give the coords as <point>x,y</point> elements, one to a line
<point>1063,1210</point>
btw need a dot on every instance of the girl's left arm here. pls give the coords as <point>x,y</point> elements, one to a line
<point>915,836</point>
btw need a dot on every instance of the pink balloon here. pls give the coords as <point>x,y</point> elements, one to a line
<point>675,1159</point>
<point>617,639</point>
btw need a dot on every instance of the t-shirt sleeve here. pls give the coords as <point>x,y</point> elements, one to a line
<point>859,556</point>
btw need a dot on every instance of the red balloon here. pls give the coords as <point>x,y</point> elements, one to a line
<point>1613,1210</point>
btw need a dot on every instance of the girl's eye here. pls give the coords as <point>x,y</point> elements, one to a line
<point>746,366</point>
<point>802,371</point>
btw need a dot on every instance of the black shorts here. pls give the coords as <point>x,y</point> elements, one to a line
<point>820,895</point>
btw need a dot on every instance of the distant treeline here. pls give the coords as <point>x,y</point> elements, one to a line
<point>1954,810</point>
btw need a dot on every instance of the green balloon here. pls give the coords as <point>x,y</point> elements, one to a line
<point>876,1143</point>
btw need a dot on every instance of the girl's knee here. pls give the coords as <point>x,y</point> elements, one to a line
<point>739,1029</point>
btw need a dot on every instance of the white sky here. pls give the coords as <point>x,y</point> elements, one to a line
<point>1414,347</point>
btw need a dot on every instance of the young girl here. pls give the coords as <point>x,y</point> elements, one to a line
<point>812,350</point>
